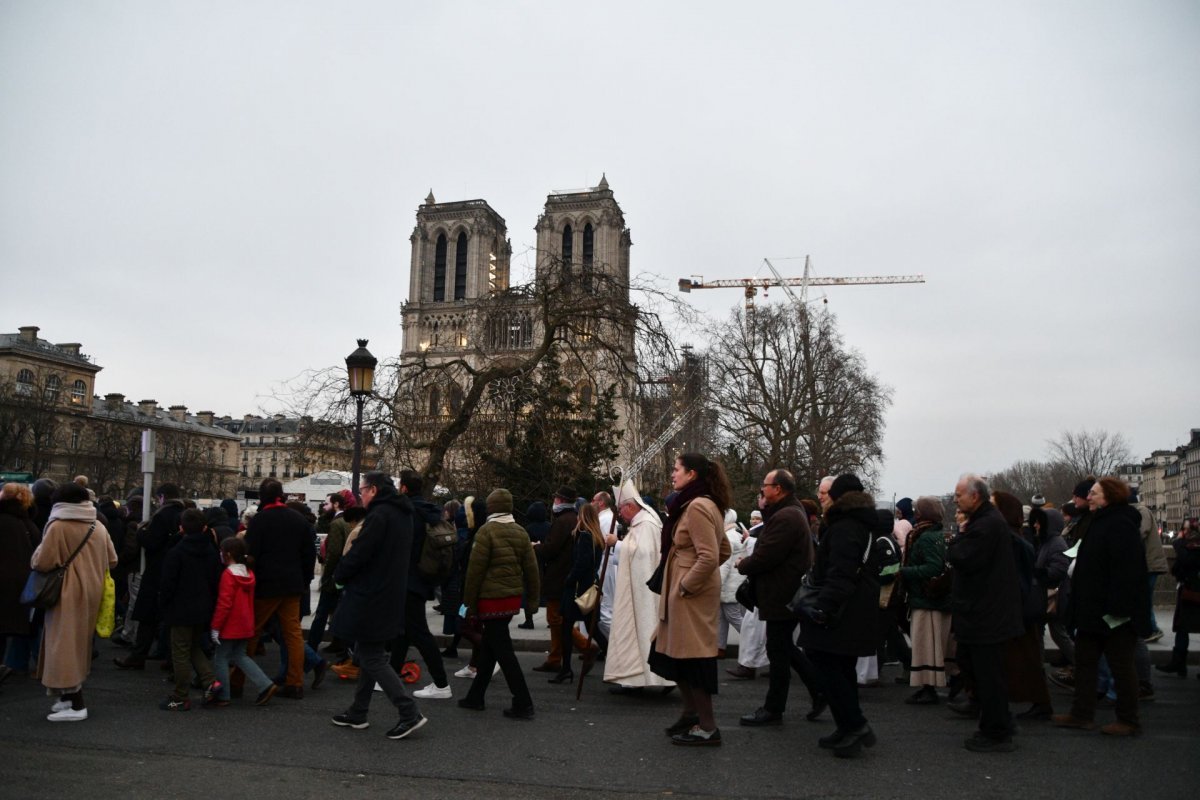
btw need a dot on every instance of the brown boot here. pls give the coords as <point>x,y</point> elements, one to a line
<point>1121,729</point>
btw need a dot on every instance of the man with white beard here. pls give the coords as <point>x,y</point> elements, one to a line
<point>635,607</point>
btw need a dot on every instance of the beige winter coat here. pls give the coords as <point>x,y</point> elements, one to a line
<point>687,623</point>
<point>65,657</point>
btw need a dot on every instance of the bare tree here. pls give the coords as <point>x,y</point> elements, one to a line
<point>791,394</point>
<point>1054,480</point>
<point>424,405</point>
<point>1087,452</point>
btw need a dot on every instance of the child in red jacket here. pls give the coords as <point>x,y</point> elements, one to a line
<point>233,624</point>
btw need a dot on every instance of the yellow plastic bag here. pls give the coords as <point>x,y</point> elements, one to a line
<point>106,620</point>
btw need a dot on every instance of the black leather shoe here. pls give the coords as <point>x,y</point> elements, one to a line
<point>1037,711</point>
<point>852,743</point>
<point>526,626</point>
<point>319,672</point>
<point>741,673</point>
<point>693,738</point>
<point>292,692</point>
<point>547,668</point>
<point>828,742</point>
<point>761,717</point>
<point>130,663</point>
<point>967,709</point>
<point>684,724</point>
<point>470,705</point>
<point>566,676</point>
<point>925,696</point>
<point>519,713</point>
<point>986,744</point>
<point>819,703</point>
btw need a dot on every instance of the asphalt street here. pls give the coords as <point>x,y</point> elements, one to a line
<point>604,746</point>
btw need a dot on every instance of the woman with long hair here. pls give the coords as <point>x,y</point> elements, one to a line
<point>693,548</point>
<point>585,561</point>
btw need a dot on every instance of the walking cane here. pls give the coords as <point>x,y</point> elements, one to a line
<point>595,620</point>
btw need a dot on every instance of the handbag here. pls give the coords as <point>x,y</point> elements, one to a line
<point>44,589</point>
<point>804,601</point>
<point>656,578</point>
<point>588,599</point>
<point>106,620</point>
<point>746,595</point>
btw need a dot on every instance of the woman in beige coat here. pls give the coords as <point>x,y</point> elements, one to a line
<point>694,547</point>
<point>66,655</point>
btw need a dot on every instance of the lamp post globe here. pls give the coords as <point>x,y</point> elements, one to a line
<point>360,368</point>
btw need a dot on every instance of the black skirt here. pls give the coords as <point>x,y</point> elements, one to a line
<point>700,673</point>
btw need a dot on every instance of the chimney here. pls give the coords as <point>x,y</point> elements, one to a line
<point>205,417</point>
<point>70,348</point>
<point>114,401</point>
<point>249,418</point>
<point>29,333</point>
<point>147,407</point>
<point>178,413</point>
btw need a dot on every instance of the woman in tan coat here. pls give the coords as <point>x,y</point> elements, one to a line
<point>694,547</point>
<point>66,655</point>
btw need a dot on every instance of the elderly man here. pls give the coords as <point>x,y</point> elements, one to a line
<point>635,607</point>
<point>986,598</point>
<point>783,554</point>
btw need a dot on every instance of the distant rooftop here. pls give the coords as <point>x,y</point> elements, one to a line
<point>26,339</point>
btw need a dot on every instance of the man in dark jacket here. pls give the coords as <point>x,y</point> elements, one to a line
<point>841,624</point>
<point>191,574</point>
<point>555,554</point>
<point>155,540</point>
<point>420,591</point>
<point>374,577</point>
<point>281,543</point>
<point>986,607</point>
<point>781,556</point>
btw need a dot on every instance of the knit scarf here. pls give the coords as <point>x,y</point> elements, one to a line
<point>501,517</point>
<point>84,511</point>
<point>697,488</point>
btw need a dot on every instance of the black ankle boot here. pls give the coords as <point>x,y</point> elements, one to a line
<point>1176,666</point>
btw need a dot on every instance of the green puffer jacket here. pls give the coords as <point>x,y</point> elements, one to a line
<point>502,565</point>
<point>925,559</point>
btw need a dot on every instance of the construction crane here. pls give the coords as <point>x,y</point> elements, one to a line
<point>751,285</point>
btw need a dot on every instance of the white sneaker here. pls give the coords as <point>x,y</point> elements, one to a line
<point>466,672</point>
<point>60,705</point>
<point>434,692</point>
<point>68,715</point>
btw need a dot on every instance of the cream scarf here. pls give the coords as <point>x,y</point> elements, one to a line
<point>84,511</point>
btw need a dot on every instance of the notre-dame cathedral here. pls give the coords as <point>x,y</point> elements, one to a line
<point>461,257</point>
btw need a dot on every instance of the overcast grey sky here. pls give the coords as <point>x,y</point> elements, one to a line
<point>212,197</point>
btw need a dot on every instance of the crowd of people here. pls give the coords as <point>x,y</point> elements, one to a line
<point>830,588</point>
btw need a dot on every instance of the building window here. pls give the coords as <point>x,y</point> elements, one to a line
<point>78,392</point>
<point>588,247</point>
<point>568,245</point>
<point>53,388</point>
<point>439,269</point>
<point>456,398</point>
<point>25,382</point>
<point>460,268</point>
<point>435,402</point>
<point>75,437</point>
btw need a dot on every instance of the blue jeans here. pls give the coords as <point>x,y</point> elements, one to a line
<point>311,659</point>
<point>234,651</point>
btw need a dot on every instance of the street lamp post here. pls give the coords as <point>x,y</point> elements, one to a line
<point>360,365</point>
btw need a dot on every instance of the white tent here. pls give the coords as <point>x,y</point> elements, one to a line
<point>313,489</point>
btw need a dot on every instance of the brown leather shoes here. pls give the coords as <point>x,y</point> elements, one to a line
<point>1121,729</point>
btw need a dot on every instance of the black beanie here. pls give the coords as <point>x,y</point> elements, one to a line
<point>1083,487</point>
<point>845,483</point>
<point>566,493</point>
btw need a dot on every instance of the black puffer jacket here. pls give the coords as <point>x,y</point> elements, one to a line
<point>986,594</point>
<point>782,555</point>
<point>849,589</point>
<point>191,575</point>
<point>375,572</point>
<point>1110,572</point>
<point>18,537</point>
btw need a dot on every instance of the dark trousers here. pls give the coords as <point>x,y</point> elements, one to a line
<point>497,648</point>
<point>784,656</point>
<point>374,668</point>
<point>147,635</point>
<point>187,654</point>
<point>841,687</point>
<point>983,667</point>
<point>416,632</point>
<point>1117,647</point>
<point>326,605</point>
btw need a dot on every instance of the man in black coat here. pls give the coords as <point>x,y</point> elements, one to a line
<point>374,577</point>
<point>986,606</point>
<point>155,540</point>
<point>420,591</point>
<point>555,553</point>
<point>781,556</point>
<point>281,544</point>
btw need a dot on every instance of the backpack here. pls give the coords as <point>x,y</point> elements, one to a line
<point>437,553</point>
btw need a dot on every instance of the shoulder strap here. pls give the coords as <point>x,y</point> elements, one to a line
<point>867,552</point>
<point>86,536</point>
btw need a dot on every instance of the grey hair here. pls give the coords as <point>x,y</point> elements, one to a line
<point>977,485</point>
<point>830,478</point>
